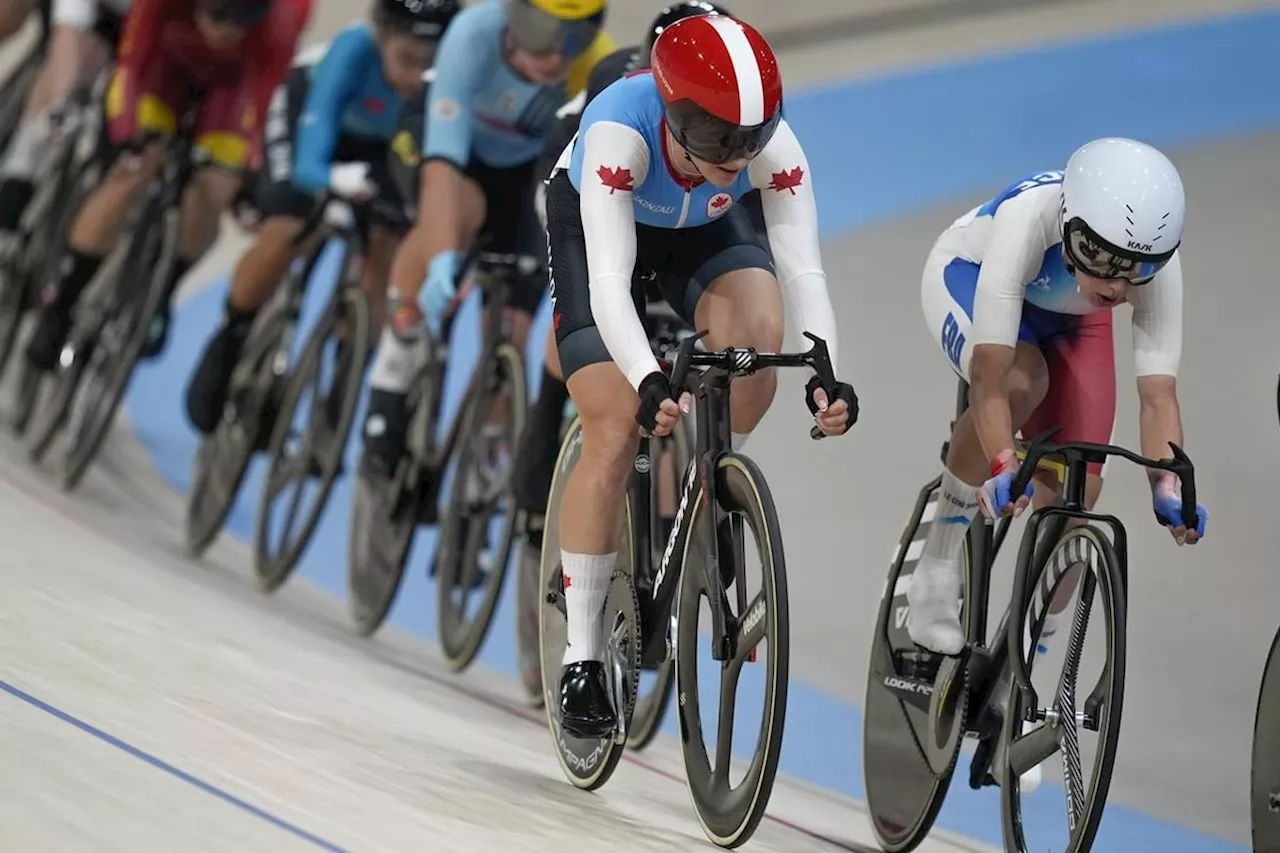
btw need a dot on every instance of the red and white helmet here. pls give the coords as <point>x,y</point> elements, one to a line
<point>720,83</point>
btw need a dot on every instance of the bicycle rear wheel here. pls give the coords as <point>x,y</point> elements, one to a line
<point>471,559</point>
<point>1264,791</point>
<point>729,814</point>
<point>906,774</point>
<point>1090,548</point>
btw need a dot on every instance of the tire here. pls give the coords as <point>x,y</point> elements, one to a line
<point>1088,545</point>
<point>528,603</point>
<point>1264,788</point>
<point>350,307</point>
<point>223,457</point>
<point>119,343</point>
<point>587,763</point>
<point>906,781</point>
<point>729,816</point>
<point>14,93</point>
<point>461,539</point>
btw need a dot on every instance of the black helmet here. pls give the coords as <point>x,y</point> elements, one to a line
<point>677,12</point>
<point>424,19</point>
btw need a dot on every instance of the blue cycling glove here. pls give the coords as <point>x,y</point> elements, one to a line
<point>1167,502</point>
<point>994,496</point>
<point>439,288</point>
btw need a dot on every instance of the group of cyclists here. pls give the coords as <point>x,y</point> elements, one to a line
<point>664,170</point>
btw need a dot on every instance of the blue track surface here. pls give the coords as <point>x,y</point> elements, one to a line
<point>878,148</point>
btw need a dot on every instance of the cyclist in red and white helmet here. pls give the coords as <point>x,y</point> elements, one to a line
<point>651,184</point>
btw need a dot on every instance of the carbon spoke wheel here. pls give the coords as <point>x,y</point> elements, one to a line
<point>223,456</point>
<point>346,326</point>
<point>588,763</point>
<point>528,603</point>
<point>479,524</point>
<point>906,779</point>
<point>120,341</point>
<point>730,813</point>
<point>1264,791</point>
<point>1057,728</point>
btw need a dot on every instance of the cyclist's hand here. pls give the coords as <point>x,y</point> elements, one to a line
<point>659,413</point>
<point>352,181</point>
<point>1167,501</point>
<point>832,418</point>
<point>439,288</point>
<point>994,497</point>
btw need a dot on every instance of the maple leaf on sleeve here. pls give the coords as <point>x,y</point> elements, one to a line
<point>615,179</point>
<point>787,180</point>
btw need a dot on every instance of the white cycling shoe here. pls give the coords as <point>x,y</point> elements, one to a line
<point>933,616</point>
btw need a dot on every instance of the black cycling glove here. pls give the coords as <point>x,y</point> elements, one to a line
<point>654,389</point>
<point>844,391</point>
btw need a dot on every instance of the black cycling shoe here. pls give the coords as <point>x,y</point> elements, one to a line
<point>207,392</point>
<point>586,710</point>
<point>47,338</point>
<point>385,426</point>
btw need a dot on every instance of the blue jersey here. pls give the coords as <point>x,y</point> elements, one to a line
<point>478,106</point>
<point>348,95</point>
<point>663,199</point>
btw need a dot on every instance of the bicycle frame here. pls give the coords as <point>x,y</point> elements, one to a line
<point>710,388</point>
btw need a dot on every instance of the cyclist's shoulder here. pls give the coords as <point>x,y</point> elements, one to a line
<point>1035,188</point>
<point>476,21</point>
<point>632,101</point>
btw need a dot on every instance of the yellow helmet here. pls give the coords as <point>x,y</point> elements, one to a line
<point>567,27</point>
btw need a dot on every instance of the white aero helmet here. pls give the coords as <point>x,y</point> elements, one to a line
<point>1122,209</point>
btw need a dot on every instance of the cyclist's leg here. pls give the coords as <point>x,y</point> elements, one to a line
<point>78,50</point>
<point>720,276</point>
<point>403,335</point>
<point>1080,356</point>
<point>264,265</point>
<point>13,14</point>
<point>98,223</point>
<point>947,293</point>
<point>591,508</point>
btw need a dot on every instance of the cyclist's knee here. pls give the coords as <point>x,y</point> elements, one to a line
<point>607,405</point>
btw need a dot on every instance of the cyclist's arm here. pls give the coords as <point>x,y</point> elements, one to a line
<point>141,36</point>
<point>333,82</point>
<point>460,67</point>
<point>1157,351</point>
<point>609,224</point>
<point>1013,254</point>
<point>781,173</point>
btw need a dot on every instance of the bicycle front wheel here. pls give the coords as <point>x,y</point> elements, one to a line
<point>730,813</point>
<point>1264,793</point>
<point>1086,550</point>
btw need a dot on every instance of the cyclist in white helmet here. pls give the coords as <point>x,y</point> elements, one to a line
<point>1019,294</point>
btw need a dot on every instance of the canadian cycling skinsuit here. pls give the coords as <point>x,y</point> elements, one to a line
<point>997,276</point>
<point>616,203</point>
<point>164,63</point>
<point>336,106</point>
<point>490,123</point>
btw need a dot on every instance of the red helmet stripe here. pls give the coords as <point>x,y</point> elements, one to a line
<point>745,67</point>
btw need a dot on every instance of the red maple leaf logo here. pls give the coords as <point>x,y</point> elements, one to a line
<point>719,201</point>
<point>787,180</point>
<point>615,179</point>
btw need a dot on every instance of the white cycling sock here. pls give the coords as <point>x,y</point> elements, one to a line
<point>29,141</point>
<point>933,618</point>
<point>396,360</point>
<point>586,586</point>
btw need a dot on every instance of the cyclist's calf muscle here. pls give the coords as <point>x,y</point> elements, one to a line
<point>267,261</point>
<point>98,224</point>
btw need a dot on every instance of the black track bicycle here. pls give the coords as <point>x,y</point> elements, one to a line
<point>920,705</point>
<point>69,169</point>
<point>478,526</point>
<point>653,610</point>
<point>1264,785</point>
<point>113,316</point>
<point>263,386</point>
<point>671,455</point>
